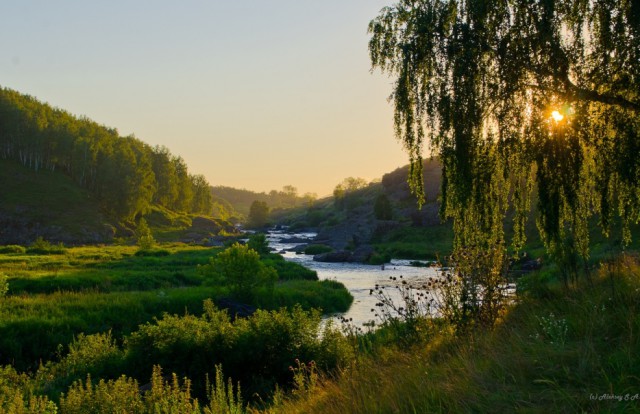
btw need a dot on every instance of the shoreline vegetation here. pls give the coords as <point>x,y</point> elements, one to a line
<point>52,298</point>
<point>531,118</point>
<point>554,348</point>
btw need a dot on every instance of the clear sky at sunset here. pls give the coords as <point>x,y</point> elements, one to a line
<point>253,94</point>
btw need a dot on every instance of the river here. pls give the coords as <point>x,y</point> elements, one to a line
<point>358,278</point>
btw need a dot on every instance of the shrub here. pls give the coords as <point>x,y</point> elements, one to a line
<point>379,258</point>
<point>96,355</point>
<point>259,243</point>
<point>144,237</point>
<point>240,268</point>
<point>473,292</point>
<point>12,248</point>
<point>119,396</point>
<point>42,246</point>
<point>17,394</point>
<point>124,396</point>
<point>257,350</point>
<point>314,249</point>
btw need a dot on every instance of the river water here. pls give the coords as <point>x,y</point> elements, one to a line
<point>358,278</point>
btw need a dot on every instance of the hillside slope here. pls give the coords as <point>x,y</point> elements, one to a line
<point>49,205</point>
<point>123,174</point>
<point>352,222</point>
<point>52,206</point>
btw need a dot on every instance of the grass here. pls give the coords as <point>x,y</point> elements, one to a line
<point>555,351</point>
<point>425,243</point>
<point>68,206</point>
<point>313,249</point>
<point>32,326</point>
<point>327,295</point>
<point>104,269</point>
<point>93,289</point>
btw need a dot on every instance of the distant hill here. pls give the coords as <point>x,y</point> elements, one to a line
<point>352,220</point>
<point>241,199</point>
<point>410,232</point>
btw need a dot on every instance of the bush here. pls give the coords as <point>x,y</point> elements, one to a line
<point>314,249</point>
<point>12,248</point>
<point>379,258</point>
<point>42,246</point>
<point>240,268</point>
<point>96,355</point>
<point>144,237</point>
<point>289,270</point>
<point>163,396</point>
<point>257,351</point>
<point>259,243</point>
<point>17,394</point>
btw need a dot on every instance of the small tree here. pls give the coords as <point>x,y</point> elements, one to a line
<point>144,237</point>
<point>382,208</point>
<point>258,214</point>
<point>240,268</point>
<point>259,243</point>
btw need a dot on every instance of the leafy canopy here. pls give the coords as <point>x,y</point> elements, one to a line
<point>517,95</point>
<point>240,268</point>
<point>258,214</point>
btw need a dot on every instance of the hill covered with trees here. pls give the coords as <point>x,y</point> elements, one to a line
<point>241,199</point>
<point>124,174</point>
<point>119,178</point>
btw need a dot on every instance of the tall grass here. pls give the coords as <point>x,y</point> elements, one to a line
<point>32,327</point>
<point>573,351</point>
<point>107,288</point>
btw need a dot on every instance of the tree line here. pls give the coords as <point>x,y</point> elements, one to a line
<point>125,174</point>
<point>242,199</point>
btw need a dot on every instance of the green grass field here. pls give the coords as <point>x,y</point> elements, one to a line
<point>94,289</point>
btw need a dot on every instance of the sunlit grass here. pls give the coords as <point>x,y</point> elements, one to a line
<point>529,363</point>
<point>93,289</point>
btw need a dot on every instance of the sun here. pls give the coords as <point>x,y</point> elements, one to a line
<point>557,116</point>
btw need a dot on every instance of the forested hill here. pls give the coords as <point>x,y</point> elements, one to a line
<point>241,199</point>
<point>124,175</point>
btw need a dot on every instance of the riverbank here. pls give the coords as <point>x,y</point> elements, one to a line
<point>358,278</point>
<point>556,350</point>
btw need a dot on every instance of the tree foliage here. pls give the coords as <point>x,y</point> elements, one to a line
<point>240,268</point>
<point>382,208</point>
<point>123,173</point>
<point>144,236</point>
<point>517,95</point>
<point>259,243</point>
<point>342,191</point>
<point>258,214</point>
<point>241,199</point>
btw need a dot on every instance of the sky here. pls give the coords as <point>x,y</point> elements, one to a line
<point>253,94</point>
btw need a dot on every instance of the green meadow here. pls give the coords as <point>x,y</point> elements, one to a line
<point>53,298</point>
